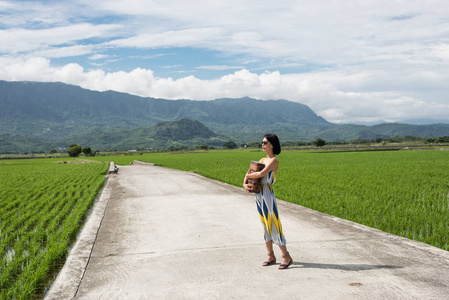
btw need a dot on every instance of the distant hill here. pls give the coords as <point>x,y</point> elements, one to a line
<point>349,132</point>
<point>181,129</point>
<point>181,132</point>
<point>13,142</point>
<point>35,115</point>
<point>55,110</point>
<point>178,133</point>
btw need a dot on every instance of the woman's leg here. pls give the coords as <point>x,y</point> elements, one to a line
<point>286,258</point>
<point>271,258</point>
<point>269,246</point>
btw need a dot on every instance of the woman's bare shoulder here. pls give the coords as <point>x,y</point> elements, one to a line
<point>273,162</point>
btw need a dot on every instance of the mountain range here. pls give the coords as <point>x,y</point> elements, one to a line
<point>36,115</point>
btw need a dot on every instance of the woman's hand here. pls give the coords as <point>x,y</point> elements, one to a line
<point>245,182</point>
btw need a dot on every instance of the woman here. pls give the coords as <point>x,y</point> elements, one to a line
<point>266,201</point>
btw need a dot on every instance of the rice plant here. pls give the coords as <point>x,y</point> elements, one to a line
<point>42,206</point>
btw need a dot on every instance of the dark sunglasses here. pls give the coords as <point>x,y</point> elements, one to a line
<point>264,143</point>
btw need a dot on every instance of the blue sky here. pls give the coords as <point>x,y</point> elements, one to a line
<point>350,61</point>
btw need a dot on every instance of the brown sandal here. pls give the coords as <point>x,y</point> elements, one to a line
<point>270,262</point>
<point>285,266</point>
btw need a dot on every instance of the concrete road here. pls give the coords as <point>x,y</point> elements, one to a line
<point>158,233</point>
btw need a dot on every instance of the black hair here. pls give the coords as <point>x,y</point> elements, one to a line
<point>274,140</point>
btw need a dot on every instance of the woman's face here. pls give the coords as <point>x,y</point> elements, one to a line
<point>266,145</point>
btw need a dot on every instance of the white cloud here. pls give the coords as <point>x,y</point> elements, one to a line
<point>69,51</point>
<point>4,5</point>
<point>333,33</point>
<point>98,56</point>
<point>16,13</point>
<point>219,68</point>
<point>200,37</point>
<point>24,40</point>
<point>16,69</point>
<point>354,60</point>
<point>441,51</point>
<point>173,66</point>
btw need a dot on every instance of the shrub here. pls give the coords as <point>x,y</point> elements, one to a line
<point>74,150</point>
<point>319,142</point>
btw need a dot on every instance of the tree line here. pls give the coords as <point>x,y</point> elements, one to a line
<point>75,150</point>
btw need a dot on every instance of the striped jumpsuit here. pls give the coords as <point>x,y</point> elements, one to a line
<point>267,208</point>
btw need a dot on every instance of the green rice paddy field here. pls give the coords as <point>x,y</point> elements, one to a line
<point>43,203</point>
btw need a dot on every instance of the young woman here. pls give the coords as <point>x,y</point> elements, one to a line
<point>266,201</point>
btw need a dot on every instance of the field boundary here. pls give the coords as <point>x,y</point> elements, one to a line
<point>69,278</point>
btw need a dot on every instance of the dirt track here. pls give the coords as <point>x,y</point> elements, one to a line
<point>162,233</point>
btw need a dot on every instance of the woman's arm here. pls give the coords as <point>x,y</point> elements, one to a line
<point>271,166</point>
<point>245,181</point>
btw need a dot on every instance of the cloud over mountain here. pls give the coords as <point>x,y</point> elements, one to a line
<point>350,61</point>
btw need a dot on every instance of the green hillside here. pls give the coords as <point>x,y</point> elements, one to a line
<point>178,133</point>
<point>55,110</point>
<point>39,116</point>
